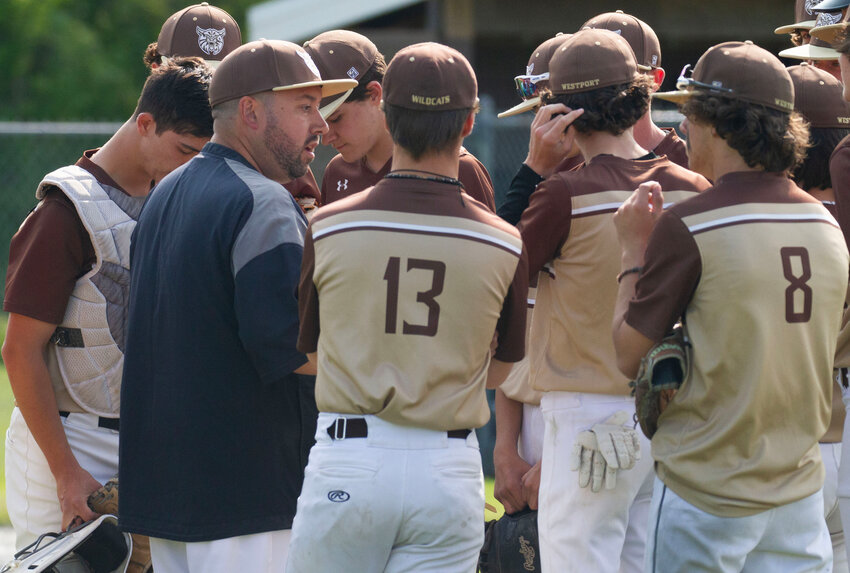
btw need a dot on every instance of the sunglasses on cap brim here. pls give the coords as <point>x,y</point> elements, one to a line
<point>685,81</point>
<point>526,86</point>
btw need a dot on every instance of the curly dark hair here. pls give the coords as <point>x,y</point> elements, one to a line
<point>613,108</point>
<point>765,137</point>
<point>152,56</point>
<point>813,172</point>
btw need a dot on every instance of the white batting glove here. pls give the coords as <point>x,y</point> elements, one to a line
<point>607,447</point>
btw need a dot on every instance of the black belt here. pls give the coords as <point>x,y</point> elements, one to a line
<point>108,423</point>
<point>343,428</point>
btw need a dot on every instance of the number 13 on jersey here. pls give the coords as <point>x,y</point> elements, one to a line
<point>427,297</point>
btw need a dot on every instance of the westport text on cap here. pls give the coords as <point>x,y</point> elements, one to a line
<point>269,65</point>
<point>199,30</point>
<point>591,59</point>
<point>537,70</point>
<point>818,96</point>
<point>640,36</point>
<point>738,70</point>
<point>341,54</point>
<point>804,17</point>
<point>430,77</point>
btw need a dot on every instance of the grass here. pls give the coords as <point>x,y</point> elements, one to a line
<point>488,498</point>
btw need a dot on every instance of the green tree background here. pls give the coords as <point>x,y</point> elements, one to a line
<point>80,60</point>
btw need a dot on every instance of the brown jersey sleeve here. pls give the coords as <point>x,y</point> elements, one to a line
<point>511,325</point>
<point>308,300</point>
<point>545,225</point>
<point>304,186</point>
<point>670,275</point>
<point>47,255</point>
<point>839,171</point>
<point>476,180</point>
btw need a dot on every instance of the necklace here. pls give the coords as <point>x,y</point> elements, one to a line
<point>429,176</point>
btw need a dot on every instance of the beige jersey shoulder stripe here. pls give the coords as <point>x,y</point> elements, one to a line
<point>611,206</point>
<point>418,229</point>
<point>763,218</point>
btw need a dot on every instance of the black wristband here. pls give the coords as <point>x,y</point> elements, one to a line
<point>628,272</point>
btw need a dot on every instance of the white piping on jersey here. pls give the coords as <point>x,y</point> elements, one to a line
<point>422,228</point>
<point>826,217</point>
<point>606,207</point>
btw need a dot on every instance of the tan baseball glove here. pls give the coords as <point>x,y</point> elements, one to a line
<point>662,372</point>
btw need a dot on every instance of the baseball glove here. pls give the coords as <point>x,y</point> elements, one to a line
<point>662,371</point>
<point>510,544</point>
<point>105,500</point>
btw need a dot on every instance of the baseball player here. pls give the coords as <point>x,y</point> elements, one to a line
<point>218,412</point>
<point>752,259</point>
<point>804,20</point>
<point>356,126</point>
<point>569,235</point>
<point>545,149</point>
<point>817,97</point>
<point>817,51</point>
<point>394,481</point>
<point>211,33</point>
<point>66,290</point>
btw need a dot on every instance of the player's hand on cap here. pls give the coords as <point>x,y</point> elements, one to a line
<point>637,216</point>
<point>552,138</point>
<point>607,447</point>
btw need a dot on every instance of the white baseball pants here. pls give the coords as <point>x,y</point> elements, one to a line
<point>256,553</point>
<point>580,531</point>
<point>401,499</point>
<point>685,539</point>
<point>30,487</point>
<point>531,434</point>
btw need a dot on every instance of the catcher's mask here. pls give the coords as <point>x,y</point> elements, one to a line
<point>94,547</point>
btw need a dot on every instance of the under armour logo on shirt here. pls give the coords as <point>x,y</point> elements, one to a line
<point>342,185</point>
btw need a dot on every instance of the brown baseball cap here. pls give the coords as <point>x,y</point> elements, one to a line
<point>738,70</point>
<point>199,30</point>
<point>537,70</point>
<point>591,59</point>
<point>832,33</point>
<point>340,54</point>
<point>804,17</point>
<point>430,77</point>
<point>819,97</point>
<point>640,36</point>
<point>269,65</point>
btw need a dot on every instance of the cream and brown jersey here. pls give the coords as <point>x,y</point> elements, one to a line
<point>569,234</point>
<point>758,268</point>
<point>517,385</point>
<point>402,289</point>
<point>343,179</point>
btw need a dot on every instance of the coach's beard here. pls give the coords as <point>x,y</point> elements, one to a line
<point>287,154</point>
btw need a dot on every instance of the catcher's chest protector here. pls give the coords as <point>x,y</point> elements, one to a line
<point>89,343</point>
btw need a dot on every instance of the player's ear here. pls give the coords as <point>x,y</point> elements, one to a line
<point>658,76</point>
<point>375,91</point>
<point>251,111</point>
<point>145,124</point>
<point>468,124</point>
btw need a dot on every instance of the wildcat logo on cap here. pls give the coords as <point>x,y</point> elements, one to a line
<point>210,40</point>
<point>827,19</point>
<point>309,61</point>
<point>811,4</point>
<point>422,100</point>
